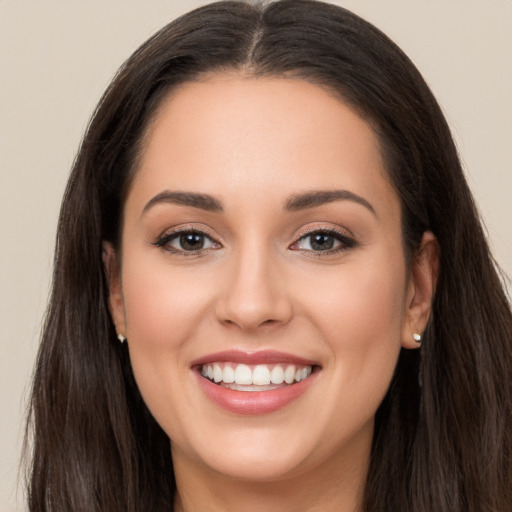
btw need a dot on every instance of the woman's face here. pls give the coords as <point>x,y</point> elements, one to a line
<point>262,245</point>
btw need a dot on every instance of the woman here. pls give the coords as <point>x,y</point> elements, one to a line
<point>272,290</point>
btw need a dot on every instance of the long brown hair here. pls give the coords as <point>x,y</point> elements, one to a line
<point>443,436</point>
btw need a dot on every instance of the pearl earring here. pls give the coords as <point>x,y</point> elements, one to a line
<point>417,338</point>
<point>121,338</point>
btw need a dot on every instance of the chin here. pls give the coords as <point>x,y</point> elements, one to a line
<point>252,453</point>
<point>256,468</point>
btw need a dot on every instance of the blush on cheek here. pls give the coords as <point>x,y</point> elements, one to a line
<point>368,320</point>
<point>158,308</point>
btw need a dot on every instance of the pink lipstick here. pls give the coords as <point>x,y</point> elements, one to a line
<point>254,382</point>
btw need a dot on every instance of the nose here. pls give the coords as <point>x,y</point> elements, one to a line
<point>254,293</point>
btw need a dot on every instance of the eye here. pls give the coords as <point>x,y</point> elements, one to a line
<point>327,241</point>
<point>189,241</point>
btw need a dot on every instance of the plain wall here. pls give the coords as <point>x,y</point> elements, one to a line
<point>56,58</point>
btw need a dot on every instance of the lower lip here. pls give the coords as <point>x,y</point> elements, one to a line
<point>253,402</point>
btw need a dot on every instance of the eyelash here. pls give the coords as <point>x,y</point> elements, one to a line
<point>165,241</point>
<point>345,242</point>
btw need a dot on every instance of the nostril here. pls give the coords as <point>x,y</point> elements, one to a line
<point>254,325</point>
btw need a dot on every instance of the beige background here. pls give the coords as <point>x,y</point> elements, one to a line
<point>56,57</point>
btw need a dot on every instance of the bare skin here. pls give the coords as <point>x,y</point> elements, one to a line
<point>296,247</point>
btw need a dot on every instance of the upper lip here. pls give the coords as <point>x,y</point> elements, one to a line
<point>252,358</point>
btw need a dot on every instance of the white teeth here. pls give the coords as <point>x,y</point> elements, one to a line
<point>217,373</point>
<point>262,376</point>
<point>277,375</point>
<point>243,374</point>
<point>228,375</point>
<point>289,374</point>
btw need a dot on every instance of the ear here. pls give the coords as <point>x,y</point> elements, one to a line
<point>420,290</point>
<point>113,274</point>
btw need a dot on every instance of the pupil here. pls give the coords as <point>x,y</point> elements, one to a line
<point>191,241</point>
<point>321,242</point>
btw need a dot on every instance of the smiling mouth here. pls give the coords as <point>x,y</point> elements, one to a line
<point>260,377</point>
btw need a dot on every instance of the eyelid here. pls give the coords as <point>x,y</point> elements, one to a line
<point>187,228</point>
<point>309,230</point>
<point>346,240</point>
<point>163,240</point>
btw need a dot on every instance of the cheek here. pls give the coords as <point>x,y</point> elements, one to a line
<point>162,308</point>
<point>364,300</point>
<point>161,305</point>
<point>374,307</point>
<point>360,319</point>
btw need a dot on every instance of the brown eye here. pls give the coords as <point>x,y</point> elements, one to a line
<point>187,242</point>
<point>323,241</point>
<point>191,241</point>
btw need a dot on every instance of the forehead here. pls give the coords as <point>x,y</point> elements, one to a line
<point>228,134</point>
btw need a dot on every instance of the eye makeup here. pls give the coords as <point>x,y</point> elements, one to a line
<point>323,241</point>
<point>187,242</point>
<point>318,241</point>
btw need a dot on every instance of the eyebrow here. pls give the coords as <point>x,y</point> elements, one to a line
<point>295,203</point>
<point>193,199</point>
<point>320,197</point>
